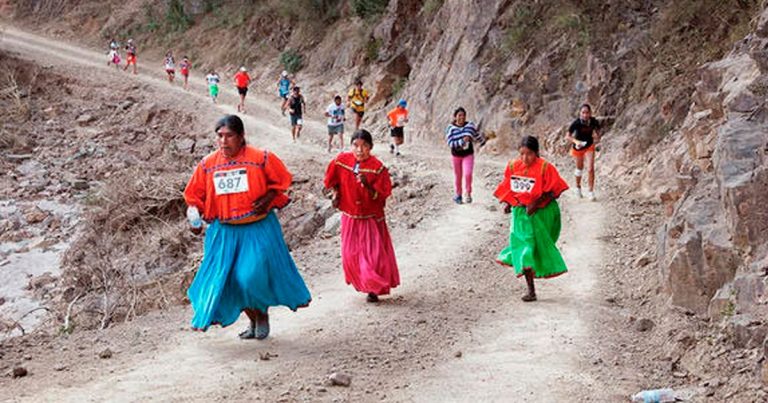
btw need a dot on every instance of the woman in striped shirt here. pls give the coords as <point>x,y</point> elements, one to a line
<point>461,136</point>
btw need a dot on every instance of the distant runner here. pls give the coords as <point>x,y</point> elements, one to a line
<point>213,84</point>
<point>336,119</point>
<point>242,81</point>
<point>356,100</point>
<point>284,85</point>
<point>584,134</point>
<point>184,67</point>
<point>398,117</point>
<point>461,136</point>
<point>113,57</point>
<point>295,105</point>
<point>529,191</point>
<point>130,56</point>
<point>170,66</point>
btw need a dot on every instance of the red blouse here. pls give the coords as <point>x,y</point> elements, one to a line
<point>522,185</point>
<point>225,188</point>
<point>354,199</point>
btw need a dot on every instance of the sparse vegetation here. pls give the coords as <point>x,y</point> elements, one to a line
<point>431,6</point>
<point>398,86</point>
<point>372,48</point>
<point>369,9</point>
<point>176,18</point>
<point>523,24</point>
<point>291,60</point>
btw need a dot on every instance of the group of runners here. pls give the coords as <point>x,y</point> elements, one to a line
<point>247,266</point>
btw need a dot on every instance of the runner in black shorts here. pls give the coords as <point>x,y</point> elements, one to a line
<point>295,105</point>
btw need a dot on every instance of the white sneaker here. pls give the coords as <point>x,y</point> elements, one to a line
<point>591,196</point>
<point>578,193</point>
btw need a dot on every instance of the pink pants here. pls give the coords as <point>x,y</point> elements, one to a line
<point>462,168</point>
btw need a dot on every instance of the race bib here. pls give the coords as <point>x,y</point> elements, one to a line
<point>232,181</point>
<point>521,184</point>
<point>358,102</point>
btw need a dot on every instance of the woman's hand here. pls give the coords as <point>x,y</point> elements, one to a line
<point>507,208</point>
<point>261,205</point>
<point>531,209</point>
<point>335,198</point>
<point>196,231</point>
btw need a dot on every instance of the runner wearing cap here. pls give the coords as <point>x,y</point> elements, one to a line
<point>284,85</point>
<point>242,81</point>
<point>398,117</point>
<point>184,67</point>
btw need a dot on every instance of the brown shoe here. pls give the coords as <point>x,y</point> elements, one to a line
<point>529,297</point>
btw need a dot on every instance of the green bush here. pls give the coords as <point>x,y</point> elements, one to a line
<point>398,86</point>
<point>291,60</point>
<point>368,9</point>
<point>431,6</point>
<point>372,50</point>
<point>176,18</point>
<point>523,24</point>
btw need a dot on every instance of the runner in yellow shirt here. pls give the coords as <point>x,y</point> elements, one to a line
<point>356,100</point>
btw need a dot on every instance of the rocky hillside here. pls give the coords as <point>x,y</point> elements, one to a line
<point>681,85</point>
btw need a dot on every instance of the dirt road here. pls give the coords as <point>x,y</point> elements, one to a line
<point>455,330</point>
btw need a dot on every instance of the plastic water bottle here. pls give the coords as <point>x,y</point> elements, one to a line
<point>655,396</point>
<point>193,216</point>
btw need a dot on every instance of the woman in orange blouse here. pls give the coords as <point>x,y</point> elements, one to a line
<point>361,185</point>
<point>530,190</point>
<point>246,265</point>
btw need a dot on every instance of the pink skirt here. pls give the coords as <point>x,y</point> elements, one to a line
<point>368,256</point>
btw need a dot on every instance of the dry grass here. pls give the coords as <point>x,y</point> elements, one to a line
<point>15,110</point>
<point>133,238</point>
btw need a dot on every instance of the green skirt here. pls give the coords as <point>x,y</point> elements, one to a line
<point>532,242</point>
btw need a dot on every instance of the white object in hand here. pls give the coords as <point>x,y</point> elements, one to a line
<point>655,396</point>
<point>580,144</point>
<point>193,216</point>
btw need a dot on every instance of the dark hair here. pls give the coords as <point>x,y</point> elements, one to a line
<point>457,111</point>
<point>589,108</point>
<point>337,97</point>
<point>531,143</point>
<point>232,122</point>
<point>358,82</point>
<point>296,88</point>
<point>364,135</point>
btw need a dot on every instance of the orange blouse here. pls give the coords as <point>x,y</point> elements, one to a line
<point>224,188</point>
<point>522,185</point>
<point>354,199</point>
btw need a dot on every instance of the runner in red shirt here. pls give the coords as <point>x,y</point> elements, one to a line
<point>184,69</point>
<point>130,56</point>
<point>242,80</point>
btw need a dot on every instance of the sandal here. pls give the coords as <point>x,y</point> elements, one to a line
<point>529,297</point>
<point>372,297</point>
<point>248,334</point>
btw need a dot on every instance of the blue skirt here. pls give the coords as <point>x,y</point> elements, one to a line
<point>245,266</point>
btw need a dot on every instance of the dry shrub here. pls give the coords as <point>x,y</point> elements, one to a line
<point>14,108</point>
<point>134,254</point>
